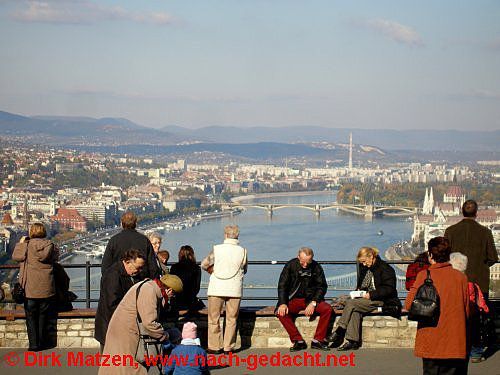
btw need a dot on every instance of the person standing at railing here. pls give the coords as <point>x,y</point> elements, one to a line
<point>161,257</point>
<point>443,348</point>
<point>476,242</point>
<point>227,263</point>
<point>130,238</point>
<point>37,256</point>
<point>115,283</point>
<point>302,286</point>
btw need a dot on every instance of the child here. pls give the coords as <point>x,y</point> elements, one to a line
<point>188,358</point>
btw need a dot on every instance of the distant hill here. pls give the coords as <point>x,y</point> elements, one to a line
<point>66,130</point>
<point>438,140</point>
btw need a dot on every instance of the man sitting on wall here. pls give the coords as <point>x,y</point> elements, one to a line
<point>302,286</point>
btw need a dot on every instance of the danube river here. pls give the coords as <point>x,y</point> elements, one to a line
<point>333,236</point>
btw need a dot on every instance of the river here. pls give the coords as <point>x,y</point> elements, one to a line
<point>333,236</point>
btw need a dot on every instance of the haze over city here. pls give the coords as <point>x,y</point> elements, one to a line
<point>338,64</point>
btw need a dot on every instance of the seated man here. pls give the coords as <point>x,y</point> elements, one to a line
<point>302,286</point>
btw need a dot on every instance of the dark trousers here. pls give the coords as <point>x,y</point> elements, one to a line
<point>39,313</point>
<point>445,366</point>
<point>323,309</point>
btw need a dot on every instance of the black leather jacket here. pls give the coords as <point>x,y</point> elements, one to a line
<point>289,282</point>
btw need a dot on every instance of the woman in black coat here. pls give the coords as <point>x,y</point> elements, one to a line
<point>115,283</point>
<point>190,274</point>
<point>378,280</point>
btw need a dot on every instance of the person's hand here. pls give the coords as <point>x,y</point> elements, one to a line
<point>169,292</point>
<point>210,269</point>
<point>282,310</point>
<point>309,310</point>
<point>367,296</point>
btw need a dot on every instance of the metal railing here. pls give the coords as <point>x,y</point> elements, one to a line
<point>88,266</point>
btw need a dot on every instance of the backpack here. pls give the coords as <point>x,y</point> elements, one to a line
<point>425,306</point>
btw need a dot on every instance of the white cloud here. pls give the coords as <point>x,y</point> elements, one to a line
<point>81,12</point>
<point>395,31</point>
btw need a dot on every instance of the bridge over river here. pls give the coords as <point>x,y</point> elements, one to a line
<point>367,210</point>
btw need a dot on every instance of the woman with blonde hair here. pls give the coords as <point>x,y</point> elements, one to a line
<point>37,256</point>
<point>378,280</point>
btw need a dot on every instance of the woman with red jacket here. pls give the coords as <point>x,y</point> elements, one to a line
<point>443,348</point>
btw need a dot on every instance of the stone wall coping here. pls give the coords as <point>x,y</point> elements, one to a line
<point>247,311</point>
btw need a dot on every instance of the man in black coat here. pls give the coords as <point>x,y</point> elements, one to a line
<point>302,286</point>
<point>476,242</point>
<point>128,239</point>
<point>377,280</point>
<point>115,283</point>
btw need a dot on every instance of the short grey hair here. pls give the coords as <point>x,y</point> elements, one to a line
<point>154,235</point>
<point>459,261</point>
<point>232,231</point>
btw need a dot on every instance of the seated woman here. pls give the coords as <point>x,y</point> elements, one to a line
<point>190,274</point>
<point>378,279</point>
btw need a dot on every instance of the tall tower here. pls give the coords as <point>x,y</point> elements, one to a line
<point>350,151</point>
<point>425,208</point>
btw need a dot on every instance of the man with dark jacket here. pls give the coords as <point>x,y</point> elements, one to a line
<point>115,283</point>
<point>128,239</point>
<point>377,280</point>
<point>302,286</point>
<point>476,242</point>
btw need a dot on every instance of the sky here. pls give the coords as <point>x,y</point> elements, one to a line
<point>340,64</point>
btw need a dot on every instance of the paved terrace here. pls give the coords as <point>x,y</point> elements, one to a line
<point>366,361</point>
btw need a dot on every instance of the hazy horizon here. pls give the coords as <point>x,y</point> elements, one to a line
<point>334,64</point>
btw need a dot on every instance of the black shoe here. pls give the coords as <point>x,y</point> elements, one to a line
<point>319,345</point>
<point>349,345</point>
<point>219,351</point>
<point>298,345</point>
<point>227,352</point>
<point>336,338</point>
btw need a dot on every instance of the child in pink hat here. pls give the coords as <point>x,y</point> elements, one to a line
<point>189,348</point>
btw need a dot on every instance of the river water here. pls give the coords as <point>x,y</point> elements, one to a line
<point>333,236</point>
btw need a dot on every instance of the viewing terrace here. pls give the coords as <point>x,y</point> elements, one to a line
<point>259,331</point>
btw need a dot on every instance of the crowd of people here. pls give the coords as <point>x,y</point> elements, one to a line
<point>138,292</point>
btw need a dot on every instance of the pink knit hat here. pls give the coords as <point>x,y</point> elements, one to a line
<point>189,330</point>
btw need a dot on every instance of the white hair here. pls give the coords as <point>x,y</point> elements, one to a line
<point>458,261</point>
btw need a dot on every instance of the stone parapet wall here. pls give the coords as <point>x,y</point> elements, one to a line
<point>258,332</point>
<point>71,333</point>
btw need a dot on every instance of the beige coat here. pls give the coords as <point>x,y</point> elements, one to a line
<point>122,337</point>
<point>37,273</point>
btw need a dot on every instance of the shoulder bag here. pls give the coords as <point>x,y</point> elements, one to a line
<point>425,307</point>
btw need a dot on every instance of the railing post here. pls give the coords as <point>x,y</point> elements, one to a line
<point>87,283</point>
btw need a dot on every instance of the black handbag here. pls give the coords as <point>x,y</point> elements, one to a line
<point>425,307</point>
<point>18,294</point>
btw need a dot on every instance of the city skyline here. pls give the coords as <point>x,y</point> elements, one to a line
<point>282,63</point>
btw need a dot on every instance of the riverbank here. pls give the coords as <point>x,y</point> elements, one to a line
<point>242,198</point>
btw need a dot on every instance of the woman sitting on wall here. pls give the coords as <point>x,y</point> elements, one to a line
<point>378,280</point>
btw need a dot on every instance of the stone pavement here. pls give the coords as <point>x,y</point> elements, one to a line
<point>363,361</point>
